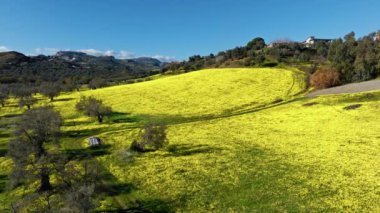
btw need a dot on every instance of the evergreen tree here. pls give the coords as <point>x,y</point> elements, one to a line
<point>366,60</point>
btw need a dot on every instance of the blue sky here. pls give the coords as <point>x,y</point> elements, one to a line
<point>169,29</point>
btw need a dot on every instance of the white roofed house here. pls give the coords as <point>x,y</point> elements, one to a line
<point>309,42</point>
<point>377,37</point>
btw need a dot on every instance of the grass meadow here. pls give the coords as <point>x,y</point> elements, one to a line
<point>240,140</point>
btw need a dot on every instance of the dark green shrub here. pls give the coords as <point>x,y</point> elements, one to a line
<point>152,136</point>
<point>270,64</point>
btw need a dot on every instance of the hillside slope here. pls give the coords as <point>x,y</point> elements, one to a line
<point>204,93</point>
<point>16,67</point>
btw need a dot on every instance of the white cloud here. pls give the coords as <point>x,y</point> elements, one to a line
<point>164,58</point>
<point>91,52</point>
<point>122,54</point>
<point>46,51</point>
<point>109,53</point>
<point>126,55</point>
<point>4,49</point>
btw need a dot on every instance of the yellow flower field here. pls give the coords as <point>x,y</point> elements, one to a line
<point>240,140</point>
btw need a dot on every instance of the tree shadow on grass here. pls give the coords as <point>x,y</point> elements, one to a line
<point>177,150</point>
<point>5,135</point>
<point>272,183</point>
<point>3,180</point>
<point>11,115</point>
<point>63,99</point>
<point>146,206</point>
<point>76,123</point>
<point>155,205</point>
<point>3,152</point>
<point>116,117</point>
<point>10,105</point>
<point>86,153</point>
<point>81,133</point>
<point>119,192</point>
<point>112,187</point>
<point>121,117</point>
<point>178,119</point>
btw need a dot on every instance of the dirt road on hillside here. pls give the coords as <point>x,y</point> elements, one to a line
<point>349,88</point>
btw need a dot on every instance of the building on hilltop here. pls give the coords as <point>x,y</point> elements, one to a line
<point>309,42</point>
<point>377,37</point>
<point>312,40</point>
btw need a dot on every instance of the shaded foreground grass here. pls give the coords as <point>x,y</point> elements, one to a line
<point>287,158</point>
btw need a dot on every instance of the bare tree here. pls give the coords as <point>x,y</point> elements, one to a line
<point>4,94</point>
<point>81,179</point>
<point>32,161</point>
<point>93,107</point>
<point>27,101</point>
<point>97,83</point>
<point>50,89</point>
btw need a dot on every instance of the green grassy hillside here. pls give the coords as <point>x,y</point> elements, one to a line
<point>241,140</point>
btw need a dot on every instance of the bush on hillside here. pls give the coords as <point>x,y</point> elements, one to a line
<point>325,77</point>
<point>93,107</point>
<point>152,135</point>
<point>97,83</point>
<point>270,64</point>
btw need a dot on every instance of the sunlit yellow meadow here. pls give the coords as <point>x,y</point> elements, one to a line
<point>240,140</point>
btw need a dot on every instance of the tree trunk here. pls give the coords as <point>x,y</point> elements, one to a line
<point>51,98</point>
<point>100,118</point>
<point>44,181</point>
<point>28,106</point>
<point>3,104</point>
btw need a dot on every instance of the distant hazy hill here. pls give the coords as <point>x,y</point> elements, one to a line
<point>16,67</point>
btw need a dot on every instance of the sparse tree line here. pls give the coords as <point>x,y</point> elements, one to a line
<point>37,158</point>
<point>340,61</point>
<point>25,93</point>
<point>348,60</point>
<point>59,183</point>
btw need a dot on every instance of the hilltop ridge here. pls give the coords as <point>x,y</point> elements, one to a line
<point>16,67</point>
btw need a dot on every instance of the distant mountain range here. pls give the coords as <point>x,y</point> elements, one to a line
<point>16,67</point>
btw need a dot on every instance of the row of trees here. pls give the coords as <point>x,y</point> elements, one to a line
<point>89,105</point>
<point>25,92</point>
<point>356,59</point>
<point>252,51</point>
<point>351,59</point>
<point>348,60</point>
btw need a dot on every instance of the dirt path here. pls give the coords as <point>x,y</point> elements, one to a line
<point>349,88</point>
